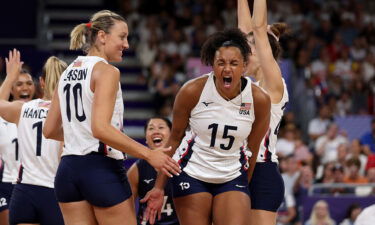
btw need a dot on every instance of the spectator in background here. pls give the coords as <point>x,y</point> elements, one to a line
<point>325,173</point>
<point>351,214</point>
<point>291,173</point>
<point>352,172</point>
<point>286,145</point>
<point>326,145</point>
<point>318,126</point>
<point>287,211</point>
<point>369,137</point>
<point>320,215</point>
<point>358,151</point>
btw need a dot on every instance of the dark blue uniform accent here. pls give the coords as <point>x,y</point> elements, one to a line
<point>94,177</point>
<point>184,159</point>
<point>5,195</point>
<point>266,187</point>
<point>186,185</point>
<point>34,204</point>
<point>146,181</point>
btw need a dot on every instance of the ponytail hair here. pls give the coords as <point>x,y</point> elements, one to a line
<point>277,29</point>
<point>83,36</point>
<point>52,70</point>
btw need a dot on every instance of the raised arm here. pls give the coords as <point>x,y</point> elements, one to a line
<point>244,16</point>
<point>10,111</point>
<point>13,68</point>
<point>262,110</point>
<point>273,83</point>
<point>52,128</point>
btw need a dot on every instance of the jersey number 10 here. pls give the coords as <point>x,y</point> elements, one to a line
<point>77,90</point>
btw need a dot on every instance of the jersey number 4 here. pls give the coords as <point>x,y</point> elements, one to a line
<point>227,128</point>
<point>77,92</point>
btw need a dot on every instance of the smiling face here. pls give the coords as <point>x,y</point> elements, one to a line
<point>228,67</point>
<point>116,41</point>
<point>157,133</point>
<point>23,89</point>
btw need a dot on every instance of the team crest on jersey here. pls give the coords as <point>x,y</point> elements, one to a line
<point>77,64</point>
<point>245,109</point>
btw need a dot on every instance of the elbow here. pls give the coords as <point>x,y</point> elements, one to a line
<point>98,130</point>
<point>47,132</point>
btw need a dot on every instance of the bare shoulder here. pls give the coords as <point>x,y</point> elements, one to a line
<point>194,86</point>
<point>189,94</point>
<point>259,95</point>
<point>103,69</point>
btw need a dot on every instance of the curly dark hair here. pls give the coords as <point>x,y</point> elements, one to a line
<point>227,38</point>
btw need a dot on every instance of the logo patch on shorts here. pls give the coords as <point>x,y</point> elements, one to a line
<point>240,186</point>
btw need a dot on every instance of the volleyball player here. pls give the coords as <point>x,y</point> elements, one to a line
<point>33,199</point>
<point>266,186</point>
<point>20,84</point>
<point>87,113</point>
<point>142,175</point>
<point>216,117</point>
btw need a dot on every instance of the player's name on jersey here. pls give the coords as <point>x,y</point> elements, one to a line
<point>35,113</point>
<point>76,74</point>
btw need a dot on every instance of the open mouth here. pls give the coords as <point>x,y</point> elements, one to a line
<point>157,141</point>
<point>24,96</point>
<point>227,81</point>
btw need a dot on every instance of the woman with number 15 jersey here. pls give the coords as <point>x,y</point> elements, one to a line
<point>33,199</point>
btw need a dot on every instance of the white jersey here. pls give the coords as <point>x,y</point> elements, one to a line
<point>76,99</point>
<point>39,156</point>
<point>267,149</point>
<point>9,151</point>
<point>213,149</point>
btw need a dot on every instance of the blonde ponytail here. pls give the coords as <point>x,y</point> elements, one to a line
<point>52,70</point>
<point>83,36</point>
<point>78,37</point>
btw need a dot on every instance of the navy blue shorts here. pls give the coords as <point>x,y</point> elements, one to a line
<point>186,185</point>
<point>96,178</point>
<point>34,204</point>
<point>5,195</point>
<point>266,187</point>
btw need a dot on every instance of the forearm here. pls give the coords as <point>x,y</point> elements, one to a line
<point>244,16</point>
<point>5,89</point>
<point>116,139</point>
<point>259,19</point>
<point>252,161</point>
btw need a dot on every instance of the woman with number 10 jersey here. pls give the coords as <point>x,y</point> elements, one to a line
<point>87,113</point>
<point>33,199</point>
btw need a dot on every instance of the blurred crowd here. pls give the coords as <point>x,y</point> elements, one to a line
<point>330,58</point>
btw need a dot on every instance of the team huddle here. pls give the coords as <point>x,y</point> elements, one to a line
<point>215,163</point>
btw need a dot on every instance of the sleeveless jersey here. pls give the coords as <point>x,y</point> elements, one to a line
<point>76,99</point>
<point>39,156</point>
<point>146,181</point>
<point>9,151</point>
<point>267,149</point>
<point>213,149</point>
